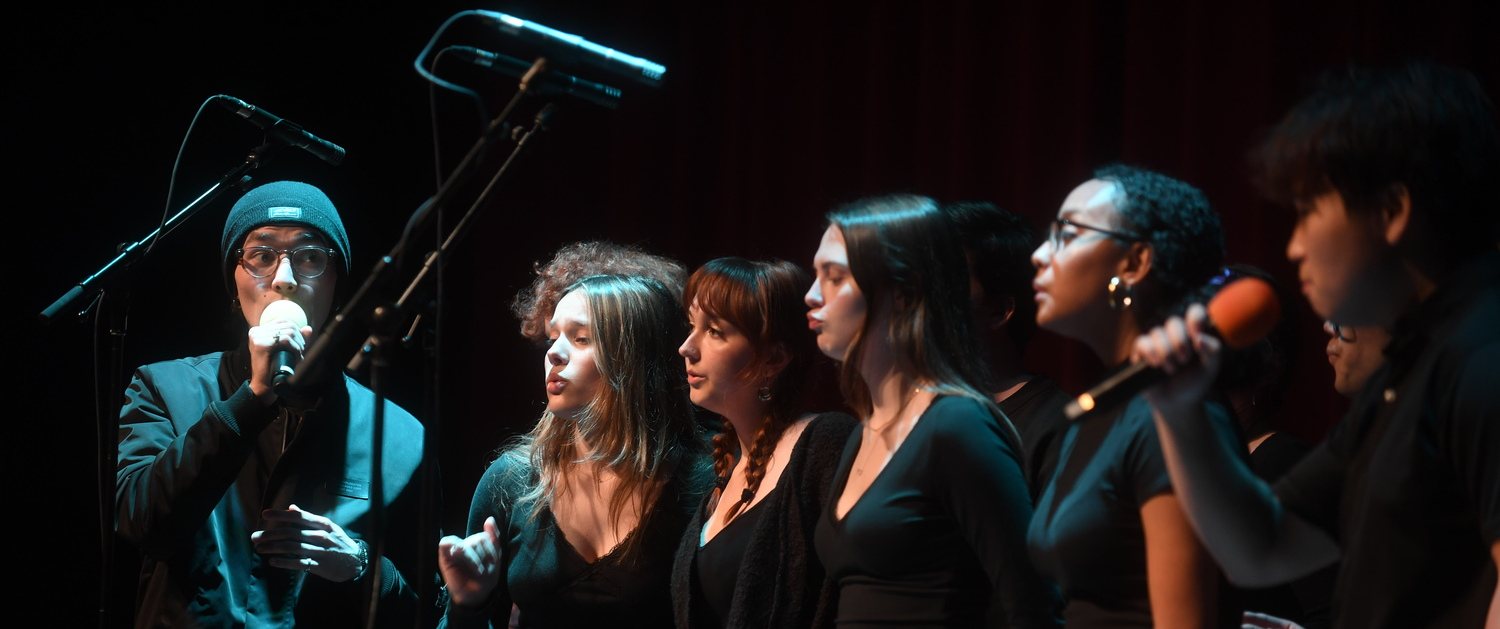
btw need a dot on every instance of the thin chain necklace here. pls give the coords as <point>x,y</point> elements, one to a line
<point>895,419</point>
<point>859,470</point>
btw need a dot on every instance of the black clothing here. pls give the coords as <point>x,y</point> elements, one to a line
<point>199,460</point>
<point>938,537</point>
<point>1409,482</point>
<point>1308,600</point>
<point>1087,533</point>
<point>551,584</point>
<point>1036,409</point>
<point>716,569</point>
<point>780,582</point>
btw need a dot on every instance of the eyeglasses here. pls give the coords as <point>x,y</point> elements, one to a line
<point>1059,239</point>
<point>1343,334</point>
<point>308,261</point>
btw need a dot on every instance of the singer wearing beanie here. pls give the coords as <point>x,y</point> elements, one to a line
<point>249,506</point>
<point>1125,249</point>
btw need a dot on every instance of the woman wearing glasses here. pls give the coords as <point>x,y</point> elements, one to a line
<point>926,521</point>
<point>1125,249</point>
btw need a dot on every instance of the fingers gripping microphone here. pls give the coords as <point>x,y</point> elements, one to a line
<point>1243,312</point>
<point>286,131</point>
<point>283,359</point>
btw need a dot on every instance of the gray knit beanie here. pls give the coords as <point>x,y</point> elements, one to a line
<point>282,203</point>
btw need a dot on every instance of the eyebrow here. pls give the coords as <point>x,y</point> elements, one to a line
<point>577,323</point>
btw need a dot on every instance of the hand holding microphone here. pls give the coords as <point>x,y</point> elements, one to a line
<point>282,331</point>
<point>1184,352</point>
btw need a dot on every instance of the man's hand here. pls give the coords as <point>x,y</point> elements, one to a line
<point>297,540</point>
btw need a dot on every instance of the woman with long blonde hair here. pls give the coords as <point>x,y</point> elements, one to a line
<point>581,516</point>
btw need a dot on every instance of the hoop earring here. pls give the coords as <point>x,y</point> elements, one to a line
<point>1121,295</point>
<point>764,394</point>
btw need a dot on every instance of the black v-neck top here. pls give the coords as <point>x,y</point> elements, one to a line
<point>552,585</point>
<point>939,537</point>
<point>716,568</point>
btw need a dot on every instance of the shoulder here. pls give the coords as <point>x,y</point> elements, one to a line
<point>506,479</point>
<point>825,431</point>
<point>396,417</point>
<point>952,416</point>
<point>204,366</point>
<point>959,424</point>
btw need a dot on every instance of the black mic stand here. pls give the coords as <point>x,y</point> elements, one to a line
<point>338,339</point>
<point>107,377</point>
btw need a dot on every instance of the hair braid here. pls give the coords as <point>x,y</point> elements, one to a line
<point>723,458</point>
<point>760,454</point>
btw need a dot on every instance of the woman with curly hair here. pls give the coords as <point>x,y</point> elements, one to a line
<point>1126,248</point>
<point>746,559</point>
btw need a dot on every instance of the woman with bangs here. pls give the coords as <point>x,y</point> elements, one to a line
<point>926,525</point>
<point>581,516</point>
<point>746,559</point>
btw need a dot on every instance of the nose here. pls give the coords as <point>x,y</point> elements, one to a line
<point>284,281</point>
<point>814,296</point>
<point>1294,251</point>
<point>557,354</point>
<point>689,348</point>
<point>1328,328</point>
<point>1043,254</point>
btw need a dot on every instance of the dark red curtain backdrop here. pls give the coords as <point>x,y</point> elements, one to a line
<point>771,114</point>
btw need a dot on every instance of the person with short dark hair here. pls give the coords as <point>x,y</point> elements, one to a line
<point>1125,249</point>
<point>249,506</point>
<point>998,246</point>
<point>1391,172</point>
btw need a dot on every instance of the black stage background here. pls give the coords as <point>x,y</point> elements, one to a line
<point>771,114</point>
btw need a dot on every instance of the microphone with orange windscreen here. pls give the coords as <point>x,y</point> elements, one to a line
<point>1242,313</point>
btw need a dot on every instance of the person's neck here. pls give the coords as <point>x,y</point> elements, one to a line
<point>747,417</point>
<point>1115,342</point>
<point>890,387</point>
<point>1004,358</point>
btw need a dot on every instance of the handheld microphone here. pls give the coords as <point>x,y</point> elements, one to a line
<point>283,360</point>
<point>552,82</point>
<point>609,59</point>
<point>1243,312</point>
<point>288,132</point>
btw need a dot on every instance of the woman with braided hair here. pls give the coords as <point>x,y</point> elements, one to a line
<point>746,559</point>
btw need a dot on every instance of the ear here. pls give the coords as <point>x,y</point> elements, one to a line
<point>1001,316</point>
<point>1137,263</point>
<point>1395,214</point>
<point>775,360</point>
